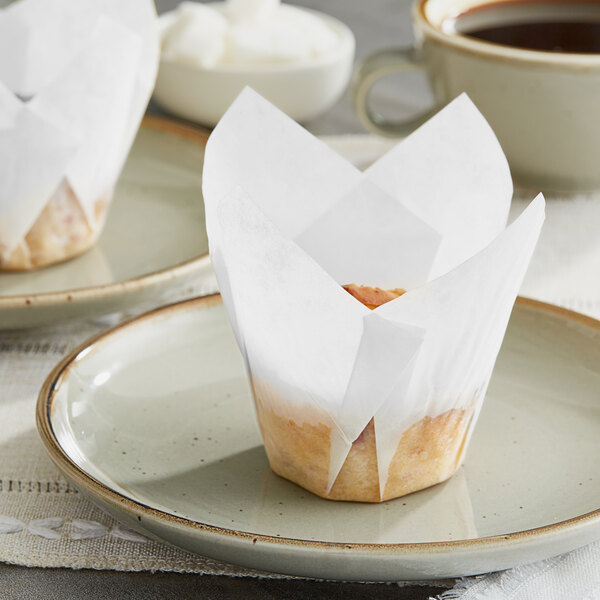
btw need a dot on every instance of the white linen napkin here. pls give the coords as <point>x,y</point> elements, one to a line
<point>571,576</point>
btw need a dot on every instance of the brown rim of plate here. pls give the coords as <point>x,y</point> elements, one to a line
<point>182,130</point>
<point>111,497</point>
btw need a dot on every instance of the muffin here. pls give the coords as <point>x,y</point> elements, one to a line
<point>80,77</point>
<point>363,393</point>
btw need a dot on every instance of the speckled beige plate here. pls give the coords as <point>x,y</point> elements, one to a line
<point>154,238</point>
<point>154,422</point>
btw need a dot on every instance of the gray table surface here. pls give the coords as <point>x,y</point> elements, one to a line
<point>376,24</point>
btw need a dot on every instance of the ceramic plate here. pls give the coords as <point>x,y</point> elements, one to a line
<point>154,238</point>
<point>154,421</point>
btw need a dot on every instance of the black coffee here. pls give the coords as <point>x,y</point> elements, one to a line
<point>550,26</point>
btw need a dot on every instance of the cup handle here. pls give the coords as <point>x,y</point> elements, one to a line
<point>373,67</point>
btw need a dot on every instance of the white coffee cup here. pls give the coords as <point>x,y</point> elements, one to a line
<point>543,106</point>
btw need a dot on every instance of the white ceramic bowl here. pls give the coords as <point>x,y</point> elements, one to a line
<point>302,90</point>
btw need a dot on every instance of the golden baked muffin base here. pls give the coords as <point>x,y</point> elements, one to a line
<point>428,453</point>
<point>60,232</point>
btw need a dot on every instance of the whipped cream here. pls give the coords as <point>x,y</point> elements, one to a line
<point>247,33</point>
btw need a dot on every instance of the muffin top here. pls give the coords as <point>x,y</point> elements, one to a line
<point>372,297</point>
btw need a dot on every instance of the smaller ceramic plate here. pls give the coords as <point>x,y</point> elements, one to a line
<point>154,238</point>
<point>154,421</point>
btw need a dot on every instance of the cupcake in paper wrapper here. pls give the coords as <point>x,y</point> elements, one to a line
<point>75,79</point>
<point>361,399</point>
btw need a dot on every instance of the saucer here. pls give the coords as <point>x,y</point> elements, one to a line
<point>154,238</point>
<point>154,421</point>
